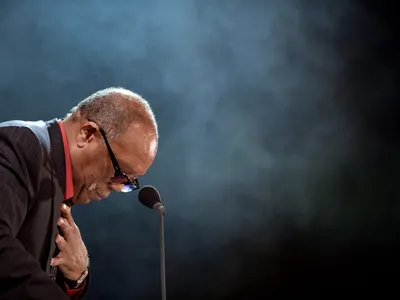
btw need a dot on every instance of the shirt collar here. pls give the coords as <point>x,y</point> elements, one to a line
<point>69,185</point>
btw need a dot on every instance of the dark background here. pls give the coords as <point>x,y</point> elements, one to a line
<point>279,152</point>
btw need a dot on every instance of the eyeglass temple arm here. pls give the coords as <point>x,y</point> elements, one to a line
<point>112,156</point>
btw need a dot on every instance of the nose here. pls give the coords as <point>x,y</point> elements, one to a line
<point>116,187</point>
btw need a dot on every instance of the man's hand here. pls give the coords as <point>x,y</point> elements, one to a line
<point>73,257</point>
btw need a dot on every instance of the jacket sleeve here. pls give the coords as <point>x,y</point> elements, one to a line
<point>21,276</point>
<point>74,294</point>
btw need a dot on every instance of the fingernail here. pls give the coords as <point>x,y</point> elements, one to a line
<point>60,221</point>
<point>64,206</point>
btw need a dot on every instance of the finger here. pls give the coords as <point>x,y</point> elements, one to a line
<point>64,226</point>
<point>61,242</point>
<point>56,261</point>
<point>66,212</point>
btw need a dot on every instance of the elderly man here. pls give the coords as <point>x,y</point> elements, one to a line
<point>106,142</point>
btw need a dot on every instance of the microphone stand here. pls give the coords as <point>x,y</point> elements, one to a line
<point>162,212</point>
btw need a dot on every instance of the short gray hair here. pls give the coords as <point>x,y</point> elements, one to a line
<point>114,109</point>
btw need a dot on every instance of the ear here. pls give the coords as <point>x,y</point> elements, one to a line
<point>88,132</point>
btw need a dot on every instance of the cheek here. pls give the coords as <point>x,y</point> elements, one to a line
<point>99,170</point>
<point>106,178</point>
<point>101,174</point>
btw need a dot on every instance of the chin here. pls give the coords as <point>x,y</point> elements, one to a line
<point>87,201</point>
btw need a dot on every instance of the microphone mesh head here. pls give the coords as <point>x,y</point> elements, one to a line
<point>149,196</point>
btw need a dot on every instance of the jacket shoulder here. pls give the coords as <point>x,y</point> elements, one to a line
<point>33,133</point>
<point>22,150</point>
<point>24,127</point>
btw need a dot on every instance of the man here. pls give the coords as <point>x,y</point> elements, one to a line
<point>106,142</point>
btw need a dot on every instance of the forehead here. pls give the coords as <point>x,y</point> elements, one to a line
<point>135,150</point>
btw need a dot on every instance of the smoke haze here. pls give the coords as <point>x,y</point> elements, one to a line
<point>261,138</point>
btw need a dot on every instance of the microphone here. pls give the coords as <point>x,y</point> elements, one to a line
<point>150,197</point>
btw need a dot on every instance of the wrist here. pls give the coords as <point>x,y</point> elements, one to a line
<point>74,276</point>
<point>75,281</point>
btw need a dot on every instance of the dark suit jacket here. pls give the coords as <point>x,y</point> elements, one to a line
<point>32,174</point>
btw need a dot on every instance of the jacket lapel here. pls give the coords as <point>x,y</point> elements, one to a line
<point>58,178</point>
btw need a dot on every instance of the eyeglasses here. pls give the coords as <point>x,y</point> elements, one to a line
<point>119,176</point>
